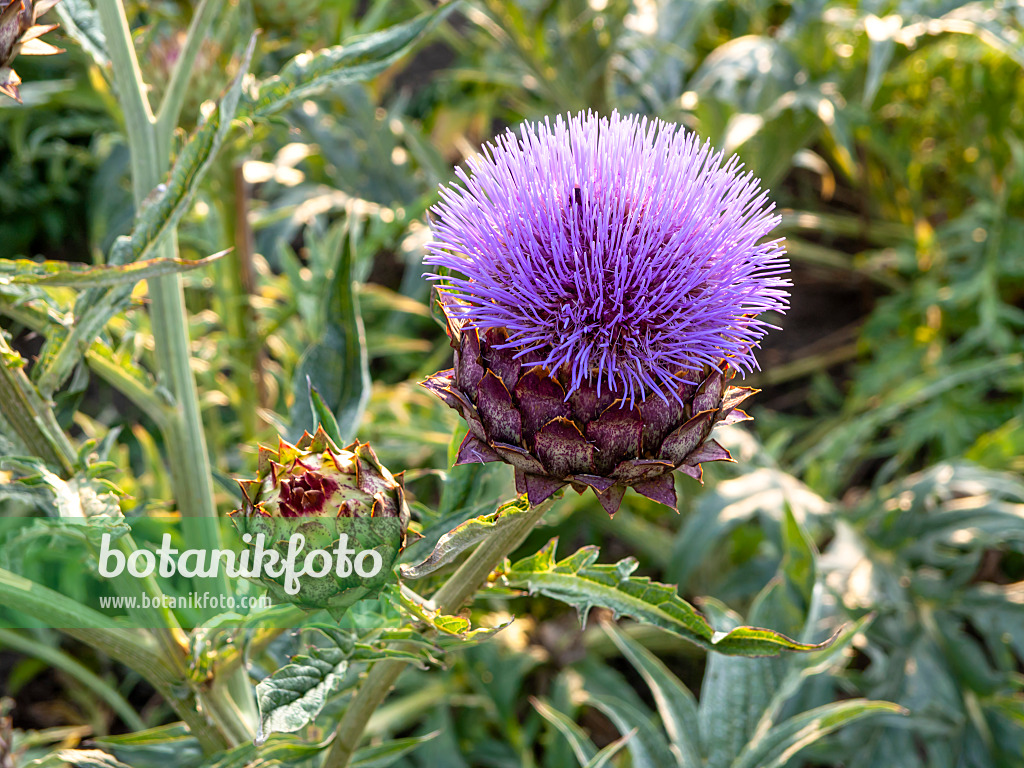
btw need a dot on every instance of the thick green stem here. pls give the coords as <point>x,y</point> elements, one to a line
<point>449,598</point>
<point>147,165</point>
<point>187,453</point>
<point>29,416</point>
<point>150,149</point>
<point>151,159</point>
<point>136,390</point>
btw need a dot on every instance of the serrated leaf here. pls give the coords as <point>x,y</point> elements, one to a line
<point>74,275</point>
<point>466,535</point>
<point>454,626</point>
<point>579,582</point>
<point>676,704</point>
<point>309,74</point>
<point>174,197</point>
<point>785,740</point>
<point>278,750</point>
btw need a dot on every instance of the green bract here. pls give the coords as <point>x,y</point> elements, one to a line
<point>329,497</point>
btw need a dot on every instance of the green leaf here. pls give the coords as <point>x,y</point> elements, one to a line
<point>81,22</point>
<point>383,755</point>
<point>675,702</point>
<point>324,417</point>
<point>1002,448</point>
<point>80,758</point>
<point>804,666</point>
<point>65,347</point>
<point>581,744</point>
<point>455,626</point>
<point>27,417</point>
<point>577,581</point>
<point>799,555</point>
<point>733,694</point>
<point>294,695</point>
<point>278,750</point>
<point>784,603</point>
<point>336,365</point>
<point>763,491</point>
<point>90,276</point>
<point>785,740</point>
<point>160,747</point>
<point>648,746</point>
<point>309,74</point>
<point>601,758</point>
<point>172,199</point>
<point>467,535</point>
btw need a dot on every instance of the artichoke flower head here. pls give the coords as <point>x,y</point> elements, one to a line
<point>604,278</point>
<point>19,34</point>
<point>321,493</point>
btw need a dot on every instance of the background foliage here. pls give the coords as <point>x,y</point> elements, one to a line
<point>878,488</point>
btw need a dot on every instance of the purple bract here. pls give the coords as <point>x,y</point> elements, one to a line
<point>620,250</point>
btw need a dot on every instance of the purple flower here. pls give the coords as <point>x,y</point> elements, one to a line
<point>620,251</point>
<point>600,264</point>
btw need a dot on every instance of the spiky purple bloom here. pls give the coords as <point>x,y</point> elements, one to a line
<point>620,250</point>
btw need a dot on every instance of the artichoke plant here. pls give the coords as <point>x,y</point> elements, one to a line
<point>315,489</point>
<point>19,34</point>
<point>612,275</point>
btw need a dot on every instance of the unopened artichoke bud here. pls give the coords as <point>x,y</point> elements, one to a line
<point>19,35</point>
<point>327,511</point>
<point>608,274</point>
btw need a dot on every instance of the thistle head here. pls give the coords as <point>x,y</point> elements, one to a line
<point>619,252</point>
<point>316,479</point>
<point>322,492</point>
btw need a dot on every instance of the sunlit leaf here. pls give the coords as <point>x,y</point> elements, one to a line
<point>578,581</point>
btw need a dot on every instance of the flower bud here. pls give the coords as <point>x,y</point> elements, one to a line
<point>315,496</point>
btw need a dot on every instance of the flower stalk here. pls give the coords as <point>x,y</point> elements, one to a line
<point>459,587</point>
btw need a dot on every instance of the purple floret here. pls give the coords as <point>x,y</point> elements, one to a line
<point>621,248</point>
